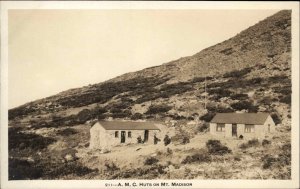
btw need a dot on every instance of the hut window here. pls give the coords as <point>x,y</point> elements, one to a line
<point>116,134</point>
<point>220,127</point>
<point>129,134</point>
<point>249,128</point>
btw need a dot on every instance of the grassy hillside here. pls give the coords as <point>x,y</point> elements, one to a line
<point>250,72</point>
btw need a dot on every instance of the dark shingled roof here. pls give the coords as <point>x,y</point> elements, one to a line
<point>128,125</point>
<point>243,118</point>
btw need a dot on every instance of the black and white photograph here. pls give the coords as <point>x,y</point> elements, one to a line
<point>150,93</point>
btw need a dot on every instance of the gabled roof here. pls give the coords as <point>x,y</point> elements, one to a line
<point>128,125</point>
<point>243,118</point>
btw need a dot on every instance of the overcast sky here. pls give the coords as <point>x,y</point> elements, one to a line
<point>54,50</point>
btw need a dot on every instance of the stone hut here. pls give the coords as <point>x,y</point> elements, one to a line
<point>242,125</point>
<point>106,134</point>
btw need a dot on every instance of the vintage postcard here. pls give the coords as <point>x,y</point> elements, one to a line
<point>149,94</point>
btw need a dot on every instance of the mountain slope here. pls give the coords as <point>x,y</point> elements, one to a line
<point>251,72</point>
<point>262,50</point>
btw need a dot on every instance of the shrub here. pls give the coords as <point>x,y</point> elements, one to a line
<point>57,120</point>
<point>208,116</point>
<point>150,161</point>
<point>181,138</point>
<point>177,117</point>
<point>283,158</point>
<point>237,158</point>
<point>122,114</point>
<point>250,143</point>
<point>276,118</point>
<point>67,169</point>
<point>136,116</point>
<point>20,140</point>
<point>167,140</point>
<point>67,132</point>
<point>267,101</point>
<point>84,115</point>
<point>155,109</point>
<point>227,51</point>
<point>286,99</point>
<point>45,168</point>
<point>243,105</point>
<point>239,96</point>
<point>173,89</point>
<point>219,109</point>
<point>148,172</point>
<point>265,142</point>
<point>220,92</point>
<point>203,127</point>
<point>268,161</point>
<point>238,73</point>
<point>216,148</point>
<point>22,169</point>
<point>99,110</point>
<point>198,79</point>
<point>43,124</point>
<point>198,157</point>
<point>111,166</point>
<point>284,90</point>
<point>115,110</point>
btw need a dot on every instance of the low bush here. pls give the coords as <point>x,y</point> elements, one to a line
<point>286,99</point>
<point>121,114</point>
<point>219,109</point>
<point>74,168</point>
<point>208,116</point>
<point>167,140</point>
<point>268,160</point>
<point>84,115</point>
<point>23,170</point>
<point>203,127</point>
<point>266,142</point>
<point>150,161</point>
<point>284,90</point>
<point>238,73</point>
<point>197,158</point>
<point>276,118</point>
<point>181,138</point>
<point>220,92</point>
<point>282,159</point>
<point>111,166</point>
<point>148,172</point>
<point>177,117</point>
<point>137,116</point>
<point>155,109</point>
<point>216,148</point>
<point>244,105</point>
<point>198,79</point>
<point>237,158</point>
<point>19,140</point>
<point>169,90</point>
<point>45,169</point>
<point>67,132</point>
<point>250,143</point>
<point>239,96</point>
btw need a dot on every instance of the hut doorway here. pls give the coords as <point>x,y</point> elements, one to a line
<point>146,135</point>
<point>234,129</point>
<point>123,135</point>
